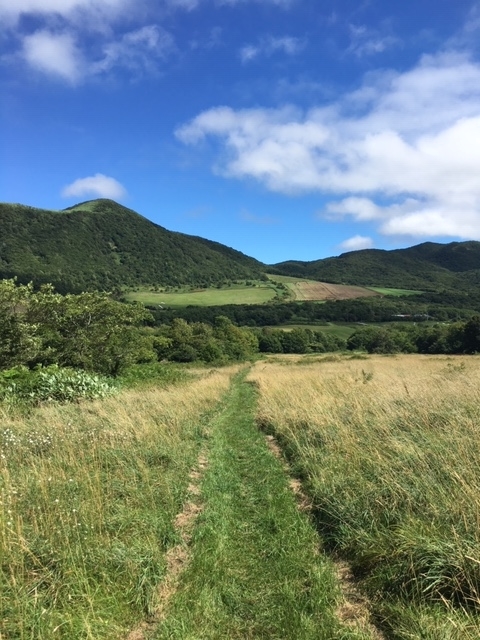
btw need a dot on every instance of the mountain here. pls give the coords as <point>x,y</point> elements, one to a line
<point>430,266</point>
<point>100,244</point>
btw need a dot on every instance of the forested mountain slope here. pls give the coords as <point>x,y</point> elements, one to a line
<point>425,266</point>
<point>102,245</point>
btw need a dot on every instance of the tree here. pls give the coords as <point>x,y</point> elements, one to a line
<point>471,335</point>
<point>19,341</point>
<point>89,331</point>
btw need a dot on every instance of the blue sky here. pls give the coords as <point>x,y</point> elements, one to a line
<point>287,129</point>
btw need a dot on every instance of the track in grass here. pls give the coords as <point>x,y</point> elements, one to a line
<point>256,569</point>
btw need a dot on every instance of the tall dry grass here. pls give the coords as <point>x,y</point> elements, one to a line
<point>88,493</point>
<point>390,452</point>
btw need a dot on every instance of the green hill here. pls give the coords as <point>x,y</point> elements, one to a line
<point>102,245</point>
<point>428,266</point>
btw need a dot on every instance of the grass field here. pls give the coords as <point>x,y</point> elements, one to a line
<point>262,292</point>
<point>211,297</point>
<point>395,292</point>
<point>88,495</point>
<point>383,480</point>
<point>389,452</point>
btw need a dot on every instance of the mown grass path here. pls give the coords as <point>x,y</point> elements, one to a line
<point>255,569</point>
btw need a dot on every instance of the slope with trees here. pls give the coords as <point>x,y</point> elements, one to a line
<point>101,245</point>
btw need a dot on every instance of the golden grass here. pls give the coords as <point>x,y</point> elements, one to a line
<point>88,493</point>
<point>390,451</point>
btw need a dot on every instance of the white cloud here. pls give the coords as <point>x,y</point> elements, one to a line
<point>54,54</point>
<point>98,185</point>
<point>12,10</point>
<point>59,55</point>
<point>136,49</point>
<point>403,150</point>
<point>366,42</point>
<point>356,243</point>
<point>270,45</point>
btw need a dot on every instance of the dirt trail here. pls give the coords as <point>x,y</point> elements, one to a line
<point>239,558</point>
<point>178,556</point>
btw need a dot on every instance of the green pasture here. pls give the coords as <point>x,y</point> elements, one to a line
<point>211,297</point>
<point>386,291</point>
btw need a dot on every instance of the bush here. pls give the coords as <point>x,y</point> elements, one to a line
<point>52,384</point>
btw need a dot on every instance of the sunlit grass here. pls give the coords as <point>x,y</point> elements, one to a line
<point>209,297</point>
<point>390,452</point>
<point>88,493</point>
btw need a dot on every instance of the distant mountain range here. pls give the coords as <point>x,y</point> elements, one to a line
<point>429,266</point>
<point>100,244</point>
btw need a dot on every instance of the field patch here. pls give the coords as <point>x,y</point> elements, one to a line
<point>388,291</point>
<point>313,290</point>
<point>339,330</point>
<point>209,297</point>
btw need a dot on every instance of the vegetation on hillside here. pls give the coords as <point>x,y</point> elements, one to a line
<point>417,308</point>
<point>427,266</point>
<point>101,245</point>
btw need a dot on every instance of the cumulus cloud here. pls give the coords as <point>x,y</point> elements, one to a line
<point>54,54</point>
<point>356,243</point>
<point>403,150</point>
<point>98,185</point>
<point>63,47</point>
<point>270,45</point>
<point>59,54</point>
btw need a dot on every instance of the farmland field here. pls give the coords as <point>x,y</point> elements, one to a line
<point>301,289</point>
<point>293,289</point>
<point>209,297</point>
<point>386,291</point>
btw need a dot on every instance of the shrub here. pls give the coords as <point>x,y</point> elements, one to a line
<point>52,384</point>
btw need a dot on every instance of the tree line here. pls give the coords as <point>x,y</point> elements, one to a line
<point>94,333</point>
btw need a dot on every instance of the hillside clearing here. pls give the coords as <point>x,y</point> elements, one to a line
<point>257,293</point>
<point>388,291</point>
<point>304,289</point>
<point>209,297</point>
<point>311,290</point>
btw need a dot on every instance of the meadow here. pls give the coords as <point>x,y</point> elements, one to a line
<point>388,450</point>
<point>313,467</point>
<point>388,291</point>
<point>208,297</point>
<point>88,496</point>
<point>256,292</point>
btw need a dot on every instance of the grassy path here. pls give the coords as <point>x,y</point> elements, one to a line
<point>255,569</point>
